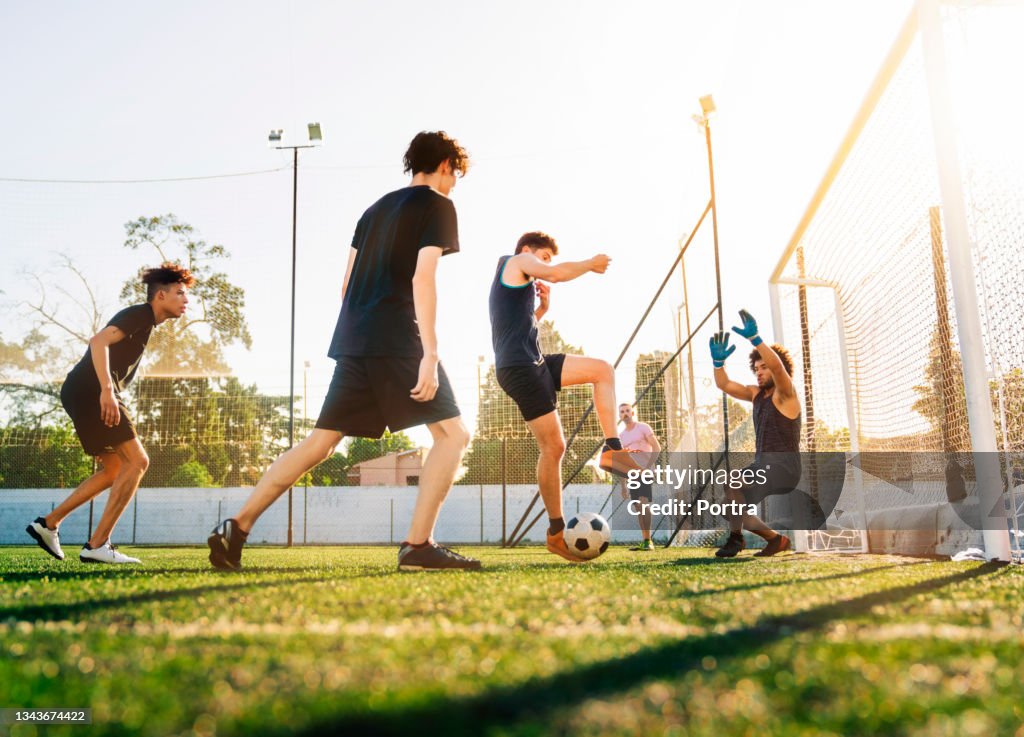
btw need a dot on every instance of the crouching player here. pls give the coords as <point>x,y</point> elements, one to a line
<point>91,395</point>
<point>776,431</point>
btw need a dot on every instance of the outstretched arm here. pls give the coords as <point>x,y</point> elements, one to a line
<point>530,265</point>
<point>720,351</point>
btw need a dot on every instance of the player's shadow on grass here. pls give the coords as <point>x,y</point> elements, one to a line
<point>792,581</point>
<point>73,609</point>
<point>533,704</point>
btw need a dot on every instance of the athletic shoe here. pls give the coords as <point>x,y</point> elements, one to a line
<point>105,553</point>
<point>225,543</point>
<point>776,545</point>
<point>646,545</point>
<point>433,557</point>
<point>48,539</point>
<point>618,462</point>
<point>732,546</point>
<point>556,545</point>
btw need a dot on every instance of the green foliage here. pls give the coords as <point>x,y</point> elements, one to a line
<point>192,344</point>
<point>54,459</point>
<point>190,474</point>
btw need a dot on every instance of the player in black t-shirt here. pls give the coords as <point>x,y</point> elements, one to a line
<point>388,374</point>
<point>91,395</point>
<point>533,379</point>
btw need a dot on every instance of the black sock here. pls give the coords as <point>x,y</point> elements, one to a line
<point>555,525</point>
<point>418,546</point>
<point>736,534</point>
<point>613,443</point>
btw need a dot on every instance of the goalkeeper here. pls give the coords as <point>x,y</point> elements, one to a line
<point>776,431</point>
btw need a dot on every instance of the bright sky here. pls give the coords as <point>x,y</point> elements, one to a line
<point>577,115</point>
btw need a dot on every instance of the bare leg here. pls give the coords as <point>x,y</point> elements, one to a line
<point>645,518</point>
<point>547,429</point>
<point>450,440</point>
<point>583,370</point>
<point>751,522</point>
<point>134,463</point>
<point>285,471</point>
<point>92,487</point>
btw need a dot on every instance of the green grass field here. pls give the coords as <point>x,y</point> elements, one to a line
<point>334,640</point>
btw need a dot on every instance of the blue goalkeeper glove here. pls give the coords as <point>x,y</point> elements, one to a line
<point>720,349</point>
<point>749,329</point>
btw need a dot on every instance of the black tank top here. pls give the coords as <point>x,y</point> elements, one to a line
<point>514,332</point>
<point>773,431</point>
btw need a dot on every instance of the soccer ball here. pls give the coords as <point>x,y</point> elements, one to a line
<point>588,534</point>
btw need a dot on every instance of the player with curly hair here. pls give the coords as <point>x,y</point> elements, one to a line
<point>388,374</point>
<point>91,395</point>
<point>776,431</point>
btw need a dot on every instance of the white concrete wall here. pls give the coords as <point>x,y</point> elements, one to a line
<point>336,515</point>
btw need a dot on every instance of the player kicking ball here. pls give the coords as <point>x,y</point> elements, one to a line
<point>388,374</point>
<point>533,379</point>
<point>91,395</point>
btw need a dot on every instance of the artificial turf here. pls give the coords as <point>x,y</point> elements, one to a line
<point>334,640</point>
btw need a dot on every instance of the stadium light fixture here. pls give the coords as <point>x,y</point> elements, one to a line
<point>276,140</point>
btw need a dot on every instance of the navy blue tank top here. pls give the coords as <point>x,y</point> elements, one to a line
<point>514,333</point>
<point>773,431</point>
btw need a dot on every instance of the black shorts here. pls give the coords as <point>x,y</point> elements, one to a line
<point>646,491</point>
<point>782,474</point>
<point>534,389</point>
<point>371,393</point>
<point>83,406</point>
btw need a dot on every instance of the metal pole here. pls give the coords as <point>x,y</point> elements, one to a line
<point>291,354</point>
<point>504,495</point>
<point>718,278</point>
<point>965,297</point>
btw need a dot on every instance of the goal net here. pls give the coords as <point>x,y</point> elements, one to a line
<point>863,294</point>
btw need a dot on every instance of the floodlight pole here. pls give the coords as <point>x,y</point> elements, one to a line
<point>291,354</point>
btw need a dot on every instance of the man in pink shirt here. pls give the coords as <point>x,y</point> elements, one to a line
<point>638,436</point>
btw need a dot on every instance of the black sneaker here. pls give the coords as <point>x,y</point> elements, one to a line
<point>226,543</point>
<point>433,557</point>
<point>776,545</point>
<point>732,546</point>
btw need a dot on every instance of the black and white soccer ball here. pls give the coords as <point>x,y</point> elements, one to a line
<point>588,534</point>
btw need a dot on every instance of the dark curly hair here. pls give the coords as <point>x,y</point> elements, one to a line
<point>429,149</point>
<point>164,275</point>
<point>780,351</point>
<point>536,239</point>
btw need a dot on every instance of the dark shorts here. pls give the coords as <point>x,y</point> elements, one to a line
<point>782,474</point>
<point>369,394</point>
<point>534,389</point>
<point>83,406</point>
<point>646,491</point>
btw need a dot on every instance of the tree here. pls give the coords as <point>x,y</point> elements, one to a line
<point>190,474</point>
<point>191,345</point>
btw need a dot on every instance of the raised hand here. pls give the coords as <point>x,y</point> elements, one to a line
<point>749,329</point>
<point>720,349</point>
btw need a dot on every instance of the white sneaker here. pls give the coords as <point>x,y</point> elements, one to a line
<point>106,553</point>
<point>48,539</point>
